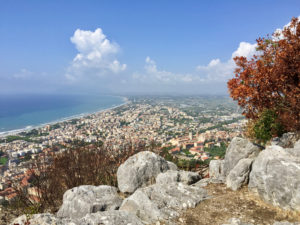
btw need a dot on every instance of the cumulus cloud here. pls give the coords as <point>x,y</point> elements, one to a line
<point>96,55</point>
<point>153,74</point>
<point>278,31</point>
<point>222,71</point>
<point>245,49</point>
<point>216,70</point>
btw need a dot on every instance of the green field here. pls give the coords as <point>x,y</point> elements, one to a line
<point>3,160</point>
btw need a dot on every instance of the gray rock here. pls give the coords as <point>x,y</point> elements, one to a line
<point>286,141</point>
<point>79,201</point>
<point>235,221</point>
<point>162,202</point>
<point>285,223</point>
<point>217,181</point>
<point>297,145</point>
<point>239,175</point>
<point>238,149</point>
<point>216,169</point>
<point>141,170</point>
<point>177,176</point>
<point>202,183</point>
<point>275,177</point>
<point>116,217</point>
<point>43,219</point>
<point>172,166</point>
<point>296,150</point>
<point>140,204</point>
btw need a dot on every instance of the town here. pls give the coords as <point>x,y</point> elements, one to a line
<point>190,128</point>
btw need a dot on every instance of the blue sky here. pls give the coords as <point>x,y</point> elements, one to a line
<point>127,47</point>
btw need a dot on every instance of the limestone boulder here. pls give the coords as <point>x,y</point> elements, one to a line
<point>141,170</point>
<point>216,169</point>
<point>238,149</point>
<point>115,217</point>
<point>297,145</point>
<point>79,201</point>
<point>42,219</point>
<point>161,202</point>
<point>275,177</point>
<point>287,140</point>
<point>185,177</point>
<point>172,166</point>
<point>296,150</point>
<point>236,221</point>
<point>239,175</point>
<point>285,223</point>
<point>202,183</point>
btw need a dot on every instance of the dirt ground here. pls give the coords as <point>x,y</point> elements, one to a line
<point>227,204</point>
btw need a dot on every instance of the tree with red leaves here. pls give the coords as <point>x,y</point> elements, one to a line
<point>270,79</point>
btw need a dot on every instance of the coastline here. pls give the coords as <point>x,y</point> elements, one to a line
<point>65,119</point>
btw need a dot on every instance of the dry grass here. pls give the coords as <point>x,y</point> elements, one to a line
<point>241,204</point>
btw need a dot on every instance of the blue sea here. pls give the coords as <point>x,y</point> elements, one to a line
<point>27,111</point>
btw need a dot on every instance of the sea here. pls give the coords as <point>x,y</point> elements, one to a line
<point>25,112</point>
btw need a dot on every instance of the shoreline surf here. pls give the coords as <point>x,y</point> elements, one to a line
<point>4,134</point>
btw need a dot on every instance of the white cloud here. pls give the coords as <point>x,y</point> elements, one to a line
<point>245,49</point>
<point>96,55</point>
<point>216,70</point>
<point>222,71</point>
<point>279,31</point>
<point>152,74</point>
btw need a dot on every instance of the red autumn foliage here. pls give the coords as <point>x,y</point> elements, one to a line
<point>271,78</point>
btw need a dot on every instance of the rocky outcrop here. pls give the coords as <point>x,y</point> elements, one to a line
<point>202,183</point>
<point>287,140</point>
<point>79,201</point>
<point>239,175</point>
<point>110,218</point>
<point>234,169</point>
<point>172,176</point>
<point>236,221</point>
<point>161,192</point>
<point>162,202</point>
<point>170,193</point>
<point>296,150</point>
<point>238,149</point>
<point>216,170</point>
<point>42,219</point>
<point>275,177</point>
<point>285,223</point>
<point>105,218</point>
<point>141,170</point>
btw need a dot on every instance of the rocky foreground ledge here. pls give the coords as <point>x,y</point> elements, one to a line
<point>273,173</point>
<point>158,192</point>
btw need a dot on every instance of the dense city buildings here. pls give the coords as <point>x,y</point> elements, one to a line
<point>192,128</point>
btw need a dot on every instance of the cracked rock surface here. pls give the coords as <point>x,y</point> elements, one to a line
<point>163,202</point>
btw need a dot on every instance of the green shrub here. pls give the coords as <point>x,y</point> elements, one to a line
<point>267,126</point>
